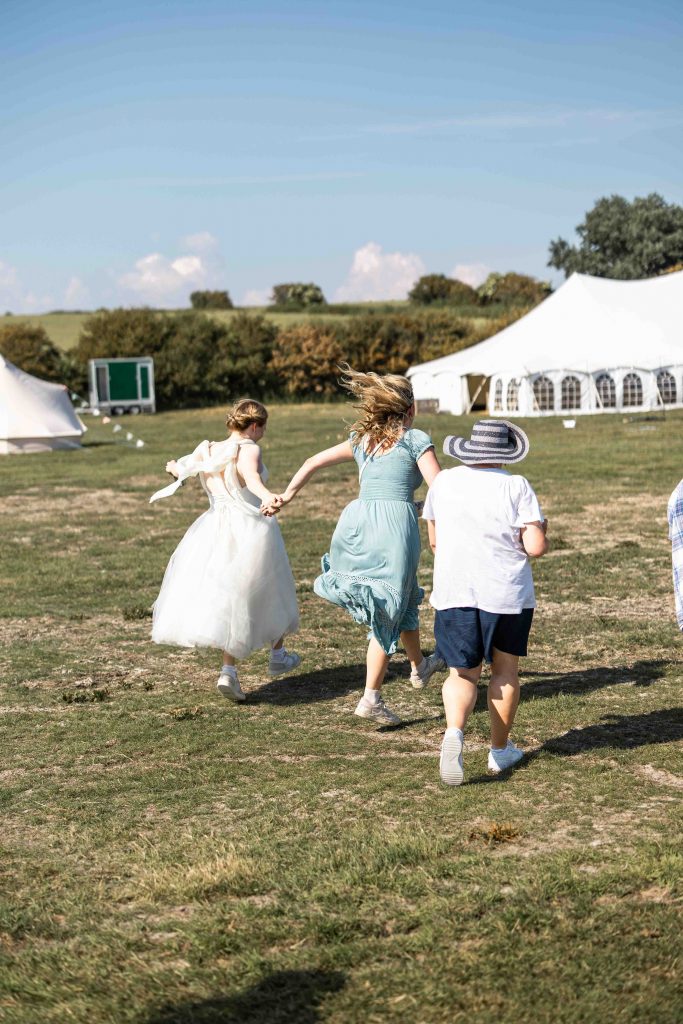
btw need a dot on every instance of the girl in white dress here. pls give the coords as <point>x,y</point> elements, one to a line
<point>228,583</point>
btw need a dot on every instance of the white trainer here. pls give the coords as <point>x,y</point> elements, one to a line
<point>229,686</point>
<point>432,664</point>
<point>450,763</point>
<point>501,760</point>
<point>378,712</point>
<point>285,663</point>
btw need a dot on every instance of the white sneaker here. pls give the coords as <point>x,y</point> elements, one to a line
<point>285,663</point>
<point>229,686</point>
<point>501,760</point>
<point>378,712</point>
<point>450,763</point>
<point>432,664</point>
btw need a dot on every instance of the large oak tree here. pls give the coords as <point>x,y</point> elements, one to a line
<point>624,240</point>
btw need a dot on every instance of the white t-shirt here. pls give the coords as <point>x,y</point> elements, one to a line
<point>480,561</point>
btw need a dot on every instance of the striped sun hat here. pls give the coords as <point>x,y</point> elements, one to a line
<point>495,441</point>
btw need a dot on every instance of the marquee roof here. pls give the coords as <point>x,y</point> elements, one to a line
<point>588,324</point>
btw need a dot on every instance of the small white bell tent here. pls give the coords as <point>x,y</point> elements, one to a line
<point>595,345</point>
<point>35,416</point>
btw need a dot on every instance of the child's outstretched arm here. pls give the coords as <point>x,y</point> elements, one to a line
<point>329,457</point>
<point>534,540</point>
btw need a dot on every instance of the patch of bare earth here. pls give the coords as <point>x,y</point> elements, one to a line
<point>638,606</point>
<point>596,527</point>
<point>34,507</point>
<point>659,776</point>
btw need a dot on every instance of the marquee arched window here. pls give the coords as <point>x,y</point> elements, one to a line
<point>607,391</point>
<point>666,385</point>
<point>513,395</point>
<point>498,396</point>
<point>632,390</point>
<point>571,393</point>
<point>544,393</point>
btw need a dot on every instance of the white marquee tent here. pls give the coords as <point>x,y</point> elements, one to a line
<point>594,345</point>
<point>35,416</point>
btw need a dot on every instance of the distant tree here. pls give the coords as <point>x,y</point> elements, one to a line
<point>306,359</point>
<point>30,348</point>
<point>432,288</point>
<point>624,240</point>
<point>242,361</point>
<point>513,290</point>
<point>122,332</point>
<point>211,300</point>
<point>113,333</point>
<point>297,296</point>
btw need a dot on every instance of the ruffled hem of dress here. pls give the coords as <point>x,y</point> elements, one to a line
<point>358,595</point>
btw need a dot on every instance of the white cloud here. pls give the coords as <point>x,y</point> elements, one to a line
<point>76,295</point>
<point>377,275</point>
<point>162,281</point>
<point>257,297</point>
<point>15,299</point>
<point>202,241</point>
<point>473,274</point>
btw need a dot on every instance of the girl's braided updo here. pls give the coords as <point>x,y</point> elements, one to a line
<point>245,412</point>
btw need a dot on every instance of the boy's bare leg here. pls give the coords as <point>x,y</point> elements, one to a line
<point>503,696</point>
<point>377,663</point>
<point>228,659</point>
<point>459,694</point>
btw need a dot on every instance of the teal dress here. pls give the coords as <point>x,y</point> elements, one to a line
<point>371,567</point>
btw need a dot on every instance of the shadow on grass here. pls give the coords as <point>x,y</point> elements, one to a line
<point>284,997</point>
<point>614,732</point>
<point>327,683</point>
<point>549,684</point>
<point>621,732</point>
<point>309,687</point>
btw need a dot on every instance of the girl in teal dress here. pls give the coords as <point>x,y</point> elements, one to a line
<point>371,567</point>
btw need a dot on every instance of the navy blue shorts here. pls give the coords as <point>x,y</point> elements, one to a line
<point>465,636</point>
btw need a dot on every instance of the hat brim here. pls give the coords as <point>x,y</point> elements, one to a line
<point>461,448</point>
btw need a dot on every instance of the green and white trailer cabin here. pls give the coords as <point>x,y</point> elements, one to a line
<point>122,385</point>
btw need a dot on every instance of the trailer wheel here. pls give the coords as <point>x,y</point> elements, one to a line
<point>134,410</point>
<point>117,410</point>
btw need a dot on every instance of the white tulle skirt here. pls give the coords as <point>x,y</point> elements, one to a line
<point>228,584</point>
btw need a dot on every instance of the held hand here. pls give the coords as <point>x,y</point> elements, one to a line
<point>172,468</point>
<point>272,506</point>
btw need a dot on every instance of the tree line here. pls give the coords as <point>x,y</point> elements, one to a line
<point>199,360</point>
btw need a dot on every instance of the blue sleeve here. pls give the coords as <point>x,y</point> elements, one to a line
<point>418,442</point>
<point>356,447</point>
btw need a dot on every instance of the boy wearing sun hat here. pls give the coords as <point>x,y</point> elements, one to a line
<point>484,524</point>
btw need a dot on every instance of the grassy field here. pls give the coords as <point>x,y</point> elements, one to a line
<point>171,858</point>
<point>64,328</point>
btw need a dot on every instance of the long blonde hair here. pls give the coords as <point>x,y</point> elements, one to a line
<point>383,401</point>
<point>245,412</point>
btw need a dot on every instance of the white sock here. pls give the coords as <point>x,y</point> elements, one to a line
<point>277,653</point>
<point>452,729</point>
<point>371,696</point>
<point>229,670</point>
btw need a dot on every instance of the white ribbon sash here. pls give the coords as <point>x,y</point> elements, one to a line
<point>202,461</point>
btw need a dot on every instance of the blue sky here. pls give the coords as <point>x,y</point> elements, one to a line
<point>157,147</point>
